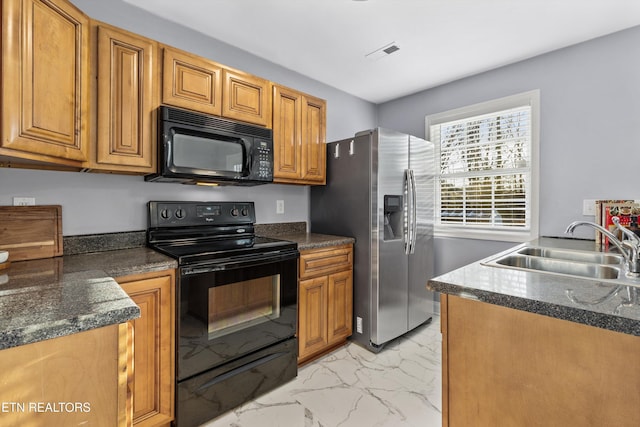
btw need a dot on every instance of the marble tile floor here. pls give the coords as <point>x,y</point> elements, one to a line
<point>351,387</point>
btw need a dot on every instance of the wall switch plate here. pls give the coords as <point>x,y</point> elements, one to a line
<point>589,207</point>
<point>24,201</point>
<point>359,325</point>
<point>279,206</point>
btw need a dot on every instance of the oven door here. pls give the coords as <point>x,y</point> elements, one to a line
<point>235,307</point>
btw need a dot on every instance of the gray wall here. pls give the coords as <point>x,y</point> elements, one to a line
<point>589,127</point>
<point>99,203</point>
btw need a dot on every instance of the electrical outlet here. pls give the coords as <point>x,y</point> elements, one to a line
<point>589,207</point>
<point>279,206</point>
<point>359,325</point>
<point>24,201</point>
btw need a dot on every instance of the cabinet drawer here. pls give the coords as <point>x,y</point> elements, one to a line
<point>318,262</point>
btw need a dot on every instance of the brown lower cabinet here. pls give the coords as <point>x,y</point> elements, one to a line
<point>68,380</point>
<point>154,343</point>
<point>505,367</point>
<point>325,300</point>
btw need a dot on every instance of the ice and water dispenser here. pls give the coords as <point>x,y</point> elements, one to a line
<point>393,217</point>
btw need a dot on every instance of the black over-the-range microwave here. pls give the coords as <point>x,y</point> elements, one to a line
<point>196,148</point>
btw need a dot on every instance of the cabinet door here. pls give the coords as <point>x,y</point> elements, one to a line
<point>153,391</point>
<point>45,66</point>
<point>127,102</point>
<point>314,149</point>
<point>88,367</point>
<point>287,134</point>
<point>299,136</point>
<point>191,82</point>
<point>246,98</point>
<point>312,313</point>
<point>340,306</point>
<point>553,371</point>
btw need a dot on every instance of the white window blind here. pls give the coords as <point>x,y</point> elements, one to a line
<point>486,170</point>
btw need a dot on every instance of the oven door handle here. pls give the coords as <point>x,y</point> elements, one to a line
<point>241,369</point>
<point>240,262</point>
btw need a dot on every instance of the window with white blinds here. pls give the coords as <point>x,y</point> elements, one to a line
<point>487,177</point>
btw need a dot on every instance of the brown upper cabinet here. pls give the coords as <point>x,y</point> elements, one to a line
<point>199,84</point>
<point>45,81</point>
<point>79,94</point>
<point>127,101</point>
<point>246,97</point>
<point>299,136</point>
<point>191,82</point>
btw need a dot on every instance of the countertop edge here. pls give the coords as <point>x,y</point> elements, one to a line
<point>51,330</point>
<point>78,302</point>
<point>310,241</point>
<point>571,314</point>
<point>543,293</point>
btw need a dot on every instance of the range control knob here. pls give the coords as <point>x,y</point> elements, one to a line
<point>180,213</point>
<point>245,211</point>
<point>165,214</point>
<point>235,212</point>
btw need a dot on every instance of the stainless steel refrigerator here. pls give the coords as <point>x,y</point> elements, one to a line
<point>380,190</point>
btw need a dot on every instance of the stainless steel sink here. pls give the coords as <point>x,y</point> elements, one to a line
<point>566,262</point>
<point>572,268</point>
<point>569,255</point>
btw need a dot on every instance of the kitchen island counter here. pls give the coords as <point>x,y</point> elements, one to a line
<point>519,346</point>
<point>604,304</point>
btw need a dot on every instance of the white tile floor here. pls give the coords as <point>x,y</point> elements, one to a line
<point>352,387</point>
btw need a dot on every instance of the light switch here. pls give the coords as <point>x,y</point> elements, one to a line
<point>589,207</point>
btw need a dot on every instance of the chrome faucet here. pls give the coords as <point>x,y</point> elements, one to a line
<point>630,250</point>
<point>625,231</point>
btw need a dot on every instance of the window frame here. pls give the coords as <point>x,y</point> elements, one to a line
<point>530,98</point>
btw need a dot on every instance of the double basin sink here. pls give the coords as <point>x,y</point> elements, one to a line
<point>566,262</point>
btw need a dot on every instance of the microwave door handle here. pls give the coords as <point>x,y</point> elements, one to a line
<point>249,159</point>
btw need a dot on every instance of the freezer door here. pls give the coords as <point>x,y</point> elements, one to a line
<point>421,260</point>
<point>390,266</point>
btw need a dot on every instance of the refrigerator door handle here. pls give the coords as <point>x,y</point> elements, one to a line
<point>407,212</point>
<point>413,212</point>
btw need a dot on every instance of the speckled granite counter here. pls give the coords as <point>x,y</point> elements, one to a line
<point>604,304</point>
<point>50,298</point>
<point>38,304</point>
<point>120,262</point>
<point>297,232</point>
<point>308,241</point>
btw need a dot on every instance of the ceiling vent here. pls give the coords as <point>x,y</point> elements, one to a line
<point>385,50</point>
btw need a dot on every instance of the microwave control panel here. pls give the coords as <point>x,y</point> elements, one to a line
<point>264,159</point>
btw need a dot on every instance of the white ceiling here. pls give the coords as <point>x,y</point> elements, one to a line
<point>439,40</point>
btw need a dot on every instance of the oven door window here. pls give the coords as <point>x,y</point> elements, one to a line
<point>242,305</point>
<point>230,313</point>
<point>208,152</point>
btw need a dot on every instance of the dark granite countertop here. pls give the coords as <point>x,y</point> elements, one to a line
<point>39,301</point>
<point>118,263</point>
<point>50,298</point>
<point>607,304</point>
<point>297,232</point>
<point>307,241</point>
